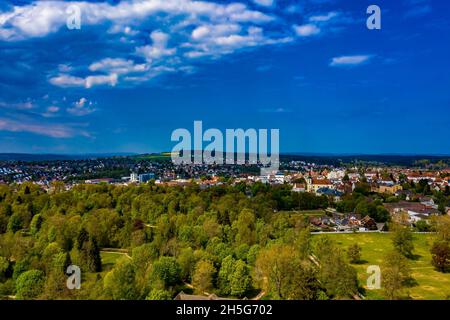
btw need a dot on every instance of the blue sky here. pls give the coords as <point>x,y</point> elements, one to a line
<point>137,70</point>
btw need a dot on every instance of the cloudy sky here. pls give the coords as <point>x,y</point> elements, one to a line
<point>136,70</point>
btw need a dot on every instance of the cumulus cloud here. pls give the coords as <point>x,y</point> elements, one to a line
<point>348,61</point>
<point>117,66</point>
<point>43,17</point>
<point>159,47</point>
<point>64,80</point>
<point>222,39</point>
<point>192,30</point>
<point>206,31</point>
<point>110,80</point>
<point>306,30</point>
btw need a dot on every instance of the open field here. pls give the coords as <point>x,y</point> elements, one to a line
<point>109,259</point>
<point>430,283</point>
<point>155,157</point>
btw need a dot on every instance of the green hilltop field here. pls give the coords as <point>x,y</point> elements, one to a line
<point>430,284</point>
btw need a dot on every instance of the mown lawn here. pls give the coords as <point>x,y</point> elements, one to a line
<point>431,285</point>
<point>109,259</point>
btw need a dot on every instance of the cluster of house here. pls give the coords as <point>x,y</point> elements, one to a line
<point>333,183</point>
<point>411,212</point>
<point>344,222</point>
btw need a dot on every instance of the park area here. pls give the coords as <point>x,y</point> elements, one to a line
<point>428,285</point>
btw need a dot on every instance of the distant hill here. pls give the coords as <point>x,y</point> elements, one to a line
<point>49,157</point>
<point>326,159</point>
<point>388,159</point>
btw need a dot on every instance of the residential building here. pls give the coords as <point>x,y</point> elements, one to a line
<point>134,177</point>
<point>313,184</point>
<point>143,178</point>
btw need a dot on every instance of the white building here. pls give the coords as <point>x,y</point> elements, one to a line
<point>134,177</point>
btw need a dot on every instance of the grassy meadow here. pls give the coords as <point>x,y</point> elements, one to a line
<point>430,284</point>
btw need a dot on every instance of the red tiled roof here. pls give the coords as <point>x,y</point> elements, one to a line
<point>321,181</point>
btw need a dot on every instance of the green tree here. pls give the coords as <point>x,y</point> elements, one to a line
<point>91,255</point>
<point>120,282</point>
<point>337,277</point>
<point>396,272</point>
<point>252,254</point>
<point>442,227</point>
<point>15,223</point>
<point>30,284</point>
<point>159,294</point>
<point>245,227</point>
<point>4,266</point>
<point>225,273</point>
<point>335,274</point>
<point>440,253</point>
<point>422,226</point>
<point>186,260</point>
<point>167,270</point>
<point>354,253</point>
<point>240,280</point>
<point>55,284</point>
<point>36,224</point>
<point>402,240</point>
<point>20,267</point>
<point>280,271</point>
<point>202,279</point>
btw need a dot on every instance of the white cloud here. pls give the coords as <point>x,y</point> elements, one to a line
<point>350,60</point>
<point>117,66</point>
<point>49,130</point>
<point>191,29</point>
<point>207,31</point>
<point>81,107</point>
<point>306,30</point>
<point>43,17</point>
<point>218,40</point>
<point>34,20</point>
<point>126,30</point>
<point>323,18</point>
<point>64,80</point>
<point>159,47</point>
